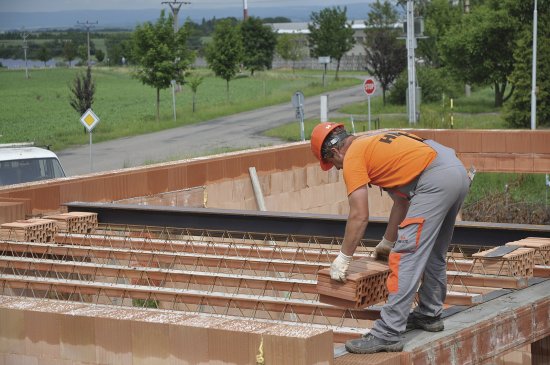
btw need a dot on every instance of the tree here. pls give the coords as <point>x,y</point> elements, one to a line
<point>479,50</point>
<point>161,56</point>
<point>289,47</point>
<point>224,52</point>
<point>258,44</point>
<point>517,111</point>
<point>99,55</point>
<point>82,92</point>
<point>386,56</point>
<point>69,51</point>
<point>194,83</point>
<point>330,34</point>
<point>439,17</point>
<point>43,55</point>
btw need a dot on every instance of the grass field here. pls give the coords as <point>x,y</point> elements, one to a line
<point>38,109</point>
<point>474,112</point>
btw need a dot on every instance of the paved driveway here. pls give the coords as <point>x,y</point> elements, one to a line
<point>239,131</point>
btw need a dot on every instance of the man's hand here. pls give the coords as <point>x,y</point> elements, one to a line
<point>339,267</point>
<point>383,249</point>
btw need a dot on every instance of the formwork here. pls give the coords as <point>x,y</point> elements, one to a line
<point>134,293</point>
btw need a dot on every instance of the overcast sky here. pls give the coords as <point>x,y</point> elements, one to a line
<point>61,5</point>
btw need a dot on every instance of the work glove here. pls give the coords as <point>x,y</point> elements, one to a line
<point>383,249</point>
<point>339,267</point>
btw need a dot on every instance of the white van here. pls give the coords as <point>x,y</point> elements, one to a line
<point>22,163</point>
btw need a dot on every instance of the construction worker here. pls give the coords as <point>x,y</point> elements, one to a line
<point>428,184</point>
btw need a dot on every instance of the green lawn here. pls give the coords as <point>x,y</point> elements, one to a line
<point>38,109</point>
<point>474,112</point>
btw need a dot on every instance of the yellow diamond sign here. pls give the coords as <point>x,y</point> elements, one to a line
<point>89,120</point>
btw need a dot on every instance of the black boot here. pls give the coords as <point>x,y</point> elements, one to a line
<point>369,344</point>
<point>426,323</point>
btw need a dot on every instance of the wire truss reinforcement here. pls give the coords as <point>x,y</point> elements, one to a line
<point>268,277</point>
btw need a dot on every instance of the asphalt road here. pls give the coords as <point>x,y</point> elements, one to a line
<point>239,131</point>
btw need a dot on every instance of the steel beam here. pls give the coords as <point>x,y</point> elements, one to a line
<point>466,233</point>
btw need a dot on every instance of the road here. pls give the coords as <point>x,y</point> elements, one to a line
<point>239,131</point>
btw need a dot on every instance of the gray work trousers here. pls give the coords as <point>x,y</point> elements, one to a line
<point>423,240</point>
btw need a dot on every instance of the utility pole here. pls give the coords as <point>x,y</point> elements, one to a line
<point>24,35</point>
<point>411,66</point>
<point>245,10</point>
<point>534,72</point>
<point>88,25</point>
<point>175,7</point>
<point>467,87</point>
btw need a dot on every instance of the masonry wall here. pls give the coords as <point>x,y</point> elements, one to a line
<point>39,331</point>
<point>521,151</point>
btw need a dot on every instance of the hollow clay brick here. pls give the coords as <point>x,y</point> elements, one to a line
<point>365,285</point>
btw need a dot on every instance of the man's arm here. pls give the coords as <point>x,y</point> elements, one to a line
<point>358,219</point>
<point>355,229</point>
<point>397,214</point>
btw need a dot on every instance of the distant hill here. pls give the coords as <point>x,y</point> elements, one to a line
<point>130,18</point>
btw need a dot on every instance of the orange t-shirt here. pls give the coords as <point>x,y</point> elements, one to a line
<point>388,160</point>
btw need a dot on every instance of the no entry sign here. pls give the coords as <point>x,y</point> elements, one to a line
<point>369,86</point>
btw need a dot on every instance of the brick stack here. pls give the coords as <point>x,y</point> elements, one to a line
<point>365,285</point>
<point>75,222</point>
<point>30,230</point>
<point>541,246</point>
<point>518,263</point>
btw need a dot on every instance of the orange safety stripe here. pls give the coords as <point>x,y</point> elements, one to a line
<point>393,278</point>
<point>417,220</point>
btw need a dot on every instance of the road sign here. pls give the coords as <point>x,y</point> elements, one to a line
<point>89,120</point>
<point>298,99</point>
<point>369,87</point>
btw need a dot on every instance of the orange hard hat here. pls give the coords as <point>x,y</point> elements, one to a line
<point>318,135</point>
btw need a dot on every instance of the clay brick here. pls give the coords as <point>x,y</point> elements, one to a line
<point>517,263</point>
<point>277,182</point>
<point>518,141</point>
<point>523,164</point>
<point>468,141</point>
<point>492,141</point>
<point>11,211</point>
<point>112,340</point>
<point>447,138</point>
<point>539,142</point>
<point>12,331</point>
<point>291,345</point>
<point>505,164</point>
<point>43,340</point>
<point>539,244</point>
<point>196,174</point>
<point>300,178</point>
<point>150,343</point>
<point>541,164</point>
<point>365,285</point>
<point>78,338</point>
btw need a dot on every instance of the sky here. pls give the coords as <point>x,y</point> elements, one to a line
<point>64,5</point>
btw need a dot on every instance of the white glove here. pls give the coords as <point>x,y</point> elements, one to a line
<point>339,267</point>
<point>383,249</point>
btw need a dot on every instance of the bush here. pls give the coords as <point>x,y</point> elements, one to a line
<point>434,83</point>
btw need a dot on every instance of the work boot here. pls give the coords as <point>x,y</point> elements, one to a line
<point>368,344</point>
<point>426,323</point>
